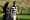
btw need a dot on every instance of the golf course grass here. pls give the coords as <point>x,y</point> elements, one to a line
<point>22,17</point>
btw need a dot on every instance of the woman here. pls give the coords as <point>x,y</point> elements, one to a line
<point>6,11</point>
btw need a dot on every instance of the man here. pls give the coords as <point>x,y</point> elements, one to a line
<point>13,11</point>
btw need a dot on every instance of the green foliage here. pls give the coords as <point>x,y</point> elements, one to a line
<point>1,11</point>
<point>23,10</point>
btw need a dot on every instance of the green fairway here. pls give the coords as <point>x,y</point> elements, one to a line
<point>20,16</point>
<point>25,16</point>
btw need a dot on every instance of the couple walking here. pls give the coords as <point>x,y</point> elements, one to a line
<point>10,14</point>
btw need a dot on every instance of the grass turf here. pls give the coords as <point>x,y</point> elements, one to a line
<point>1,16</point>
<point>22,17</point>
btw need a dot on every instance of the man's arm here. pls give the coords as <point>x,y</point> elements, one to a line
<point>17,13</point>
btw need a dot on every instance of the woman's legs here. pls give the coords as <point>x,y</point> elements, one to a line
<point>7,17</point>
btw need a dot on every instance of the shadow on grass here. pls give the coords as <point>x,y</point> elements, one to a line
<point>16,19</point>
<point>1,18</point>
<point>22,19</point>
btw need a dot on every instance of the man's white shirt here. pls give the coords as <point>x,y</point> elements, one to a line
<point>13,11</point>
